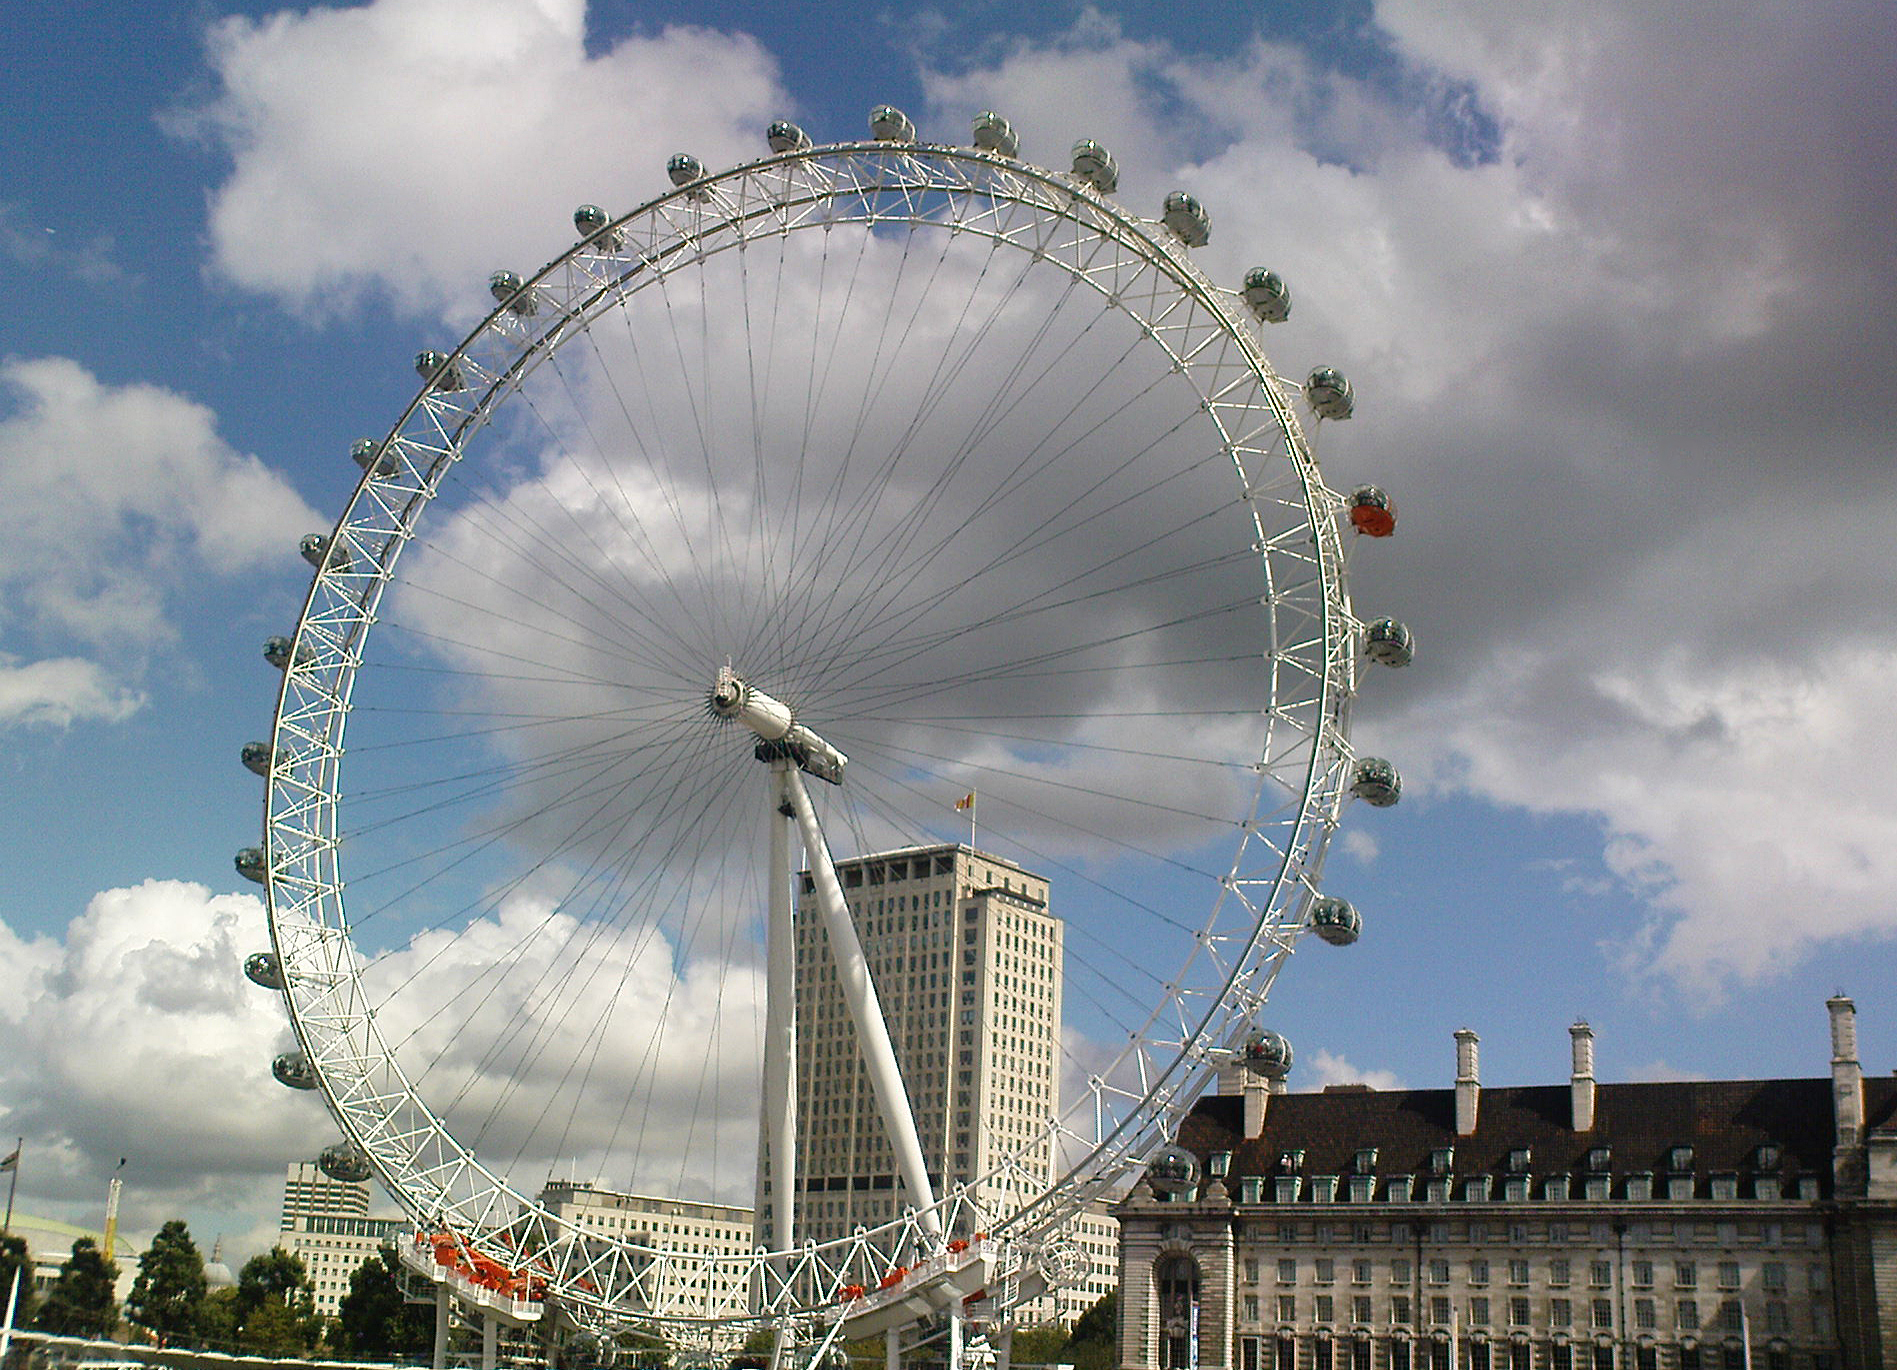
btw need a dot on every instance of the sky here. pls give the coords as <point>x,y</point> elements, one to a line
<point>1613,283</point>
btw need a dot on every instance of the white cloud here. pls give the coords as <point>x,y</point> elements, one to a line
<point>116,496</point>
<point>1584,368</point>
<point>413,146</point>
<point>1328,1068</point>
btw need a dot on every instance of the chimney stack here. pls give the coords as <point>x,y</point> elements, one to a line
<point>1847,1076</point>
<point>1581,1086</point>
<point>1468,1082</point>
<point>1257,1092</point>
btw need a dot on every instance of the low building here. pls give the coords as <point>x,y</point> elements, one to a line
<point>689,1227</point>
<point>1704,1225</point>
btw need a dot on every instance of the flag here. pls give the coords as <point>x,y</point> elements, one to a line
<point>11,1161</point>
<point>967,801</point>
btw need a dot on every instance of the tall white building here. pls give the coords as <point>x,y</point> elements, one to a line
<point>309,1193</point>
<point>966,960</point>
<point>325,1222</point>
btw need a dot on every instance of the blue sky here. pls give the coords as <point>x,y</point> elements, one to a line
<point>1613,286</point>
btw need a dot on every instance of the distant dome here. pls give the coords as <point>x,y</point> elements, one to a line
<point>217,1275</point>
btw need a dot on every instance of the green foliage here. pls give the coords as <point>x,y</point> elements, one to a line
<point>1038,1345</point>
<point>375,1322</point>
<point>81,1303</point>
<point>216,1323</point>
<point>13,1256</point>
<point>170,1285</point>
<point>271,1329</point>
<point>1094,1342</point>
<point>275,1307</point>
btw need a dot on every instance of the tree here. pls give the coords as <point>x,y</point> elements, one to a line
<point>170,1284</point>
<point>376,1322</point>
<point>80,1303</point>
<point>13,1256</point>
<point>1038,1345</point>
<point>275,1305</point>
<point>216,1323</point>
<point>1094,1342</point>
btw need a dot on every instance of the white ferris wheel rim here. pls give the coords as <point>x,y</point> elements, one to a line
<point>1133,1103</point>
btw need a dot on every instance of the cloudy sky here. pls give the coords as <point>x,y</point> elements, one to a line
<point>1614,287</point>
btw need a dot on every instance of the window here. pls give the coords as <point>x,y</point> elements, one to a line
<point>1729,1274</point>
<point>1439,1310</point>
<point>1518,1272</point>
<point>1360,1354</point>
<point>1326,1270</point>
<point>1478,1355</point>
<point>1325,1309</point>
<point>1521,1356</point>
<point>1478,1312</point>
<point>1360,1272</point>
<point>1643,1274</point>
<point>1772,1275</point>
<point>1603,1357</point>
<point>1399,1355</point>
<point>1686,1315</point>
<point>1563,1357</point>
<point>1399,1271</point>
<point>1558,1271</point>
<point>1600,1274</point>
<point>1287,1270</point>
<point>1560,1313</point>
<point>1686,1275</point>
<point>1643,1314</point>
<point>1400,1309</point>
<point>1603,1313</point>
<point>1478,1271</point>
<point>1284,1353</point>
<point>1439,1272</point>
<point>1321,1356</point>
<point>1646,1356</point>
<point>1287,1308</point>
<point>1518,1312</point>
<point>1777,1316</point>
<point>1360,1308</point>
<point>1689,1358</point>
<point>1731,1316</point>
<point>1251,1308</point>
<point>1725,1186</point>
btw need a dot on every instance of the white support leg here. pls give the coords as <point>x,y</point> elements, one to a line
<point>955,1339</point>
<point>859,992</point>
<point>490,1340</point>
<point>892,1350</point>
<point>443,1302</point>
<point>780,1043</point>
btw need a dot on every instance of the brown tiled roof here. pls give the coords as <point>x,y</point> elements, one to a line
<point>1724,1121</point>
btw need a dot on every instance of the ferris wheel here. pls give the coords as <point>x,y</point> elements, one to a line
<point>798,512</point>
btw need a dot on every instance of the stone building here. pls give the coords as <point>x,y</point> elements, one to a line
<point>1705,1225</point>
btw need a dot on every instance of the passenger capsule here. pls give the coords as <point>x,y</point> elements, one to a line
<point>1266,1053</point>
<point>344,1161</point>
<point>592,222</point>
<point>1329,393</point>
<point>367,452</point>
<point>887,124</point>
<point>1095,165</point>
<point>510,290</point>
<point>319,550</point>
<point>684,168</point>
<point>440,371</point>
<point>263,968</point>
<point>1372,512</point>
<point>784,136</point>
<point>995,134</point>
<point>257,757</point>
<point>1187,218</point>
<point>1268,295</point>
<point>293,1068</point>
<point>1376,782</point>
<point>277,651</point>
<point>1336,921</point>
<point>1172,1171</point>
<point>1388,643</point>
<point>249,863</point>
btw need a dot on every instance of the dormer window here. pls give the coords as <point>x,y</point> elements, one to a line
<point>1291,1162</point>
<point>1767,1157</point>
<point>1600,1158</point>
<point>1442,1160</point>
<point>1725,1185</point>
<point>1518,1159</point>
<point>1640,1186</point>
<point>1219,1164</point>
<point>1679,1158</point>
<point>1365,1161</point>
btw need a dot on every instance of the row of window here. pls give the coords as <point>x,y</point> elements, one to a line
<point>1641,1232</point>
<point>1322,1353</point>
<point>1598,1314</point>
<point>1479,1270</point>
<point>1636,1188</point>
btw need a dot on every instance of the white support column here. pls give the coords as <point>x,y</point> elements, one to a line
<point>490,1339</point>
<point>892,1350</point>
<point>955,1339</point>
<point>443,1302</point>
<point>780,1022</point>
<point>859,992</point>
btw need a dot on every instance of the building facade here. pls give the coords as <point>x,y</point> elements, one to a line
<point>967,964</point>
<point>1705,1225</point>
<point>326,1223</point>
<point>682,1225</point>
